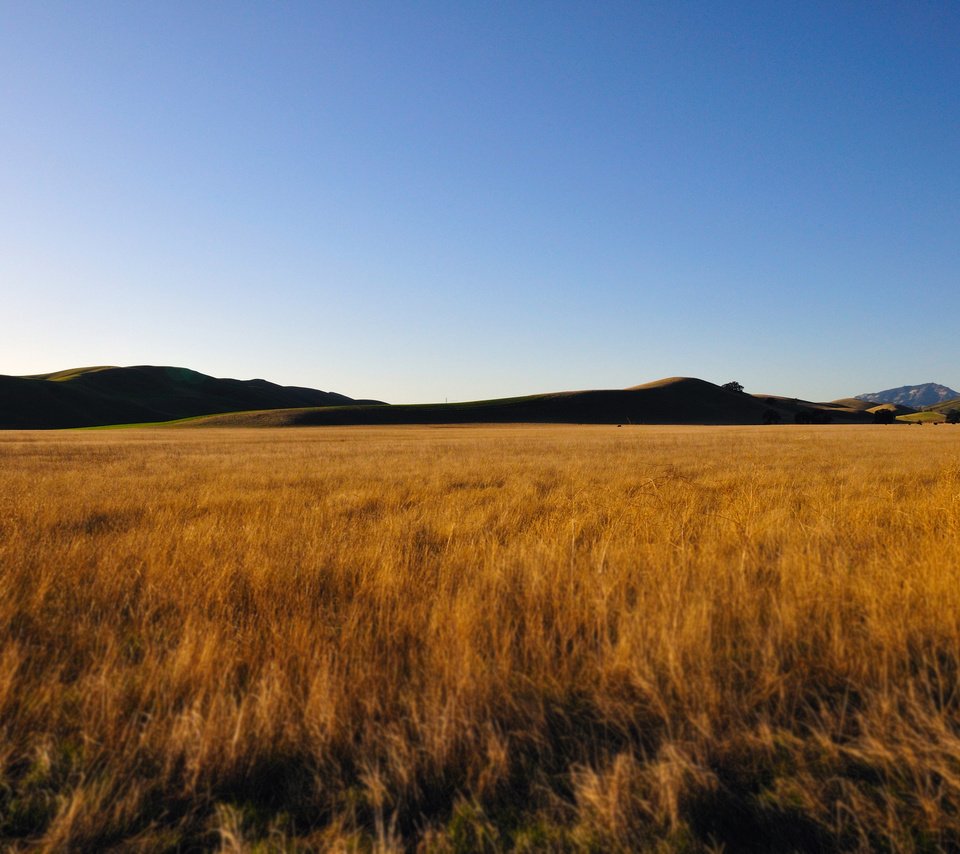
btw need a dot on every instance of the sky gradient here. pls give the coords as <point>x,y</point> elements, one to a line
<point>427,201</point>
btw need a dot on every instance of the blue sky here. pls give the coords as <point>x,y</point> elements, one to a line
<point>419,201</point>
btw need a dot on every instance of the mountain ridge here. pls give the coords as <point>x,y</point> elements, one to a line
<point>914,396</point>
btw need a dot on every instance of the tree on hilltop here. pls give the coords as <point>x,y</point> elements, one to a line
<point>733,385</point>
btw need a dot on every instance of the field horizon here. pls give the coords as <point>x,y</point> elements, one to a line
<point>105,396</point>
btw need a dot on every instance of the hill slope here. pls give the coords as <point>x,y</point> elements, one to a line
<point>677,400</point>
<point>914,396</point>
<point>88,397</point>
<point>855,403</point>
<point>945,406</point>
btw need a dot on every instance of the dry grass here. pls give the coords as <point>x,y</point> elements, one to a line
<point>481,638</point>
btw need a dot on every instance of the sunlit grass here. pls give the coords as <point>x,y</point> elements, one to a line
<point>925,417</point>
<point>529,638</point>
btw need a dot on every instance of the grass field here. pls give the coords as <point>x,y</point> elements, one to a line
<point>494,638</point>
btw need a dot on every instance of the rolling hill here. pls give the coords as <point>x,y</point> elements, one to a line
<point>897,409</point>
<point>945,406</point>
<point>103,396</point>
<point>855,403</point>
<point>923,417</point>
<point>677,400</point>
<point>99,396</point>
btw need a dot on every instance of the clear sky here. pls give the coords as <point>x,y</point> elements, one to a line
<point>418,201</point>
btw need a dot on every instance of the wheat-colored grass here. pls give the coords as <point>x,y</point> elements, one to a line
<point>511,638</point>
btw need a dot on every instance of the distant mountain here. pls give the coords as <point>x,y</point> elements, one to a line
<point>90,397</point>
<point>914,396</point>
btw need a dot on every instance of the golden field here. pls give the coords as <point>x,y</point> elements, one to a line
<point>480,638</point>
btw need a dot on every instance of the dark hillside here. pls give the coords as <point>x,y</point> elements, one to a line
<point>102,396</point>
<point>678,400</point>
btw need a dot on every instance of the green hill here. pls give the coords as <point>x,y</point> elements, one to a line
<point>925,417</point>
<point>944,407</point>
<point>88,397</point>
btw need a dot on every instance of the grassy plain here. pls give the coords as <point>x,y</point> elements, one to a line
<point>493,638</point>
